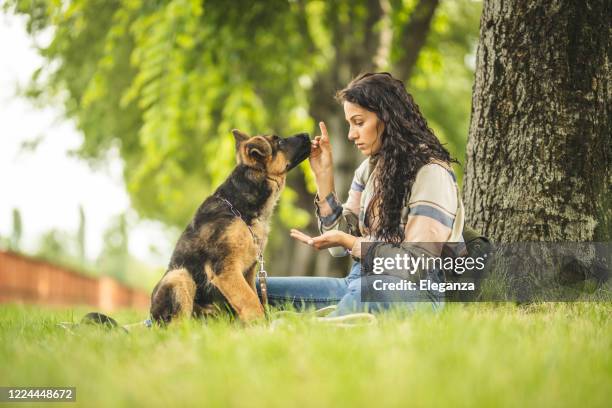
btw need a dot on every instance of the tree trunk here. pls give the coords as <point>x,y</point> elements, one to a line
<point>539,148</point>
<point>349,61</point>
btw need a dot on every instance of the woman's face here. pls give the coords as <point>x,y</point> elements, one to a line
<point>365,129</point>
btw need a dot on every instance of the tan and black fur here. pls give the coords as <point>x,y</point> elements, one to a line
<point>215,259</point>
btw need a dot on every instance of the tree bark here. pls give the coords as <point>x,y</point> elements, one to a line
<point>539,149</point>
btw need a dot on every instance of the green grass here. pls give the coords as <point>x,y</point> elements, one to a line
<point>468,355</point>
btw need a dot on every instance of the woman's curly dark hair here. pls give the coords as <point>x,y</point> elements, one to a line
<point>407,145</point>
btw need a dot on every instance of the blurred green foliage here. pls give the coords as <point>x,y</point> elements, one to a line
<point>442,80</point>
<point>113,259</point>
<point>59,247</point>
<point>164,82</point>
<point>13,241</point>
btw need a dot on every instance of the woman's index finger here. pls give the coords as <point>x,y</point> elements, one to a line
<point>323,129</point>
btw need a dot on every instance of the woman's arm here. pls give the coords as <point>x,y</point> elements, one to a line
<point>333,216</point>
<point>338,223</point>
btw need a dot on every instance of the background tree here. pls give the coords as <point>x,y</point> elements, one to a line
<point>164,82</point>
<point>539,156</point>
<point>57,246</point>
<point>17,231</point>
<point>114,257</point>
<point>65,248</point>
<point>80,237</point>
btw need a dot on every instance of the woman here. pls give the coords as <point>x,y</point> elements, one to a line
<point>403,200</point>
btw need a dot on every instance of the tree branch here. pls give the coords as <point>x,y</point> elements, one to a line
<point>383,52</point>
<point>414,36</point>
<point>302,21</point>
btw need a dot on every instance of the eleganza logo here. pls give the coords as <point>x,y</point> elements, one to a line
<point>527,271</point>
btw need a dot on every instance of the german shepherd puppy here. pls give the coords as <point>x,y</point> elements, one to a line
<point>215,259</point>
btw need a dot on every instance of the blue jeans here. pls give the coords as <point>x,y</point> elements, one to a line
<point>304,292</point>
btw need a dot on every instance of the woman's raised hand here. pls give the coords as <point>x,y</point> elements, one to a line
<point>320,158</point>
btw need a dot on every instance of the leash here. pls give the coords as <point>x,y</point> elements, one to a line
<point>284,318</point>
<point>99,319</point>
<point>109,322</point>
<point>262,274</point>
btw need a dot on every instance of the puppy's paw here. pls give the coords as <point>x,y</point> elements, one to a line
<point>252,314</point>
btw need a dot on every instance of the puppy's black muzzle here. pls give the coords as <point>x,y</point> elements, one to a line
<point>298,149</point>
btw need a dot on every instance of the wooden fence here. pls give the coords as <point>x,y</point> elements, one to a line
<point>28,280</point>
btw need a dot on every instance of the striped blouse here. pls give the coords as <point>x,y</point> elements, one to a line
<point>435,209</point>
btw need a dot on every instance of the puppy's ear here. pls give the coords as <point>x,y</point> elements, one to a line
<point>239,137</point>
<point>258,149</point>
